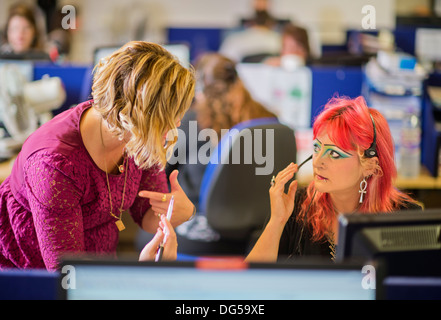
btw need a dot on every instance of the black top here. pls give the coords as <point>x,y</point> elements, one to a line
<point>297,240</point>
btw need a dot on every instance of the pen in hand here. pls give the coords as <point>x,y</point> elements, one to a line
<point>160,251</point>
<point>309,158</point>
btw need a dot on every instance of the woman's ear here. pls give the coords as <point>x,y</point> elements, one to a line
<point>370,166</point>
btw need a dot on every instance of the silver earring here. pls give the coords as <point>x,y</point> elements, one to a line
<point>363,186</point>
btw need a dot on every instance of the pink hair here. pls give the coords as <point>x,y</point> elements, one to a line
<point>350,127</point>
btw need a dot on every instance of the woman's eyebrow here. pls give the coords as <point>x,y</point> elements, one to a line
<point>339,149</point>
<point>333,145</point>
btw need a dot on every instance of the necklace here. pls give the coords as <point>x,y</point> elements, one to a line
<point>331,235</point>
<point>121,167</point>
<point>119,224</point>
<point>332,245</point>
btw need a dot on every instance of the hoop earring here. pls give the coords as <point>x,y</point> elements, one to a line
<point>363,187</point>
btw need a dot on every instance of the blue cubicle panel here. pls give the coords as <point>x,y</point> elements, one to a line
<point>200,40</point>
<point>431,136</point>
<point>329,81</point>
<point>74,77</point>
<point>32,284</point>
<point>404,37</point>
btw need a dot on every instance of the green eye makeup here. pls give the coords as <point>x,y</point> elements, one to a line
<point>330,150</point>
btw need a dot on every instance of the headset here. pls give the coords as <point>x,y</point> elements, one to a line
<point>372,150</point>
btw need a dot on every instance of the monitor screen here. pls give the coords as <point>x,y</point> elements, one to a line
<point>179,50</point>
<point>190,281</point>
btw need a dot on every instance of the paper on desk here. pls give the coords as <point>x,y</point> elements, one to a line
<point>286,93</point>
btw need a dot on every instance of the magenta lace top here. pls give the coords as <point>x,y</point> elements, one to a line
<point>56,200</point>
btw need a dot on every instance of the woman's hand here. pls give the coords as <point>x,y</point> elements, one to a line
<point>166,234</point>
<point>182,208</point>
<point>282,204</point>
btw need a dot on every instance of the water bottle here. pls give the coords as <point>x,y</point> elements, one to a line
<point>410,148</point>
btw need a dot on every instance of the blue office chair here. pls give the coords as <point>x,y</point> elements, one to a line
<point>234,196</point>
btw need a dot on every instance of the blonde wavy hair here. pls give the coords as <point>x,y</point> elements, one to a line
<point>143,89</point>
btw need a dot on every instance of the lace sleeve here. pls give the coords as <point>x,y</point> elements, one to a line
<point>152,179</point>
<point>54,200</point>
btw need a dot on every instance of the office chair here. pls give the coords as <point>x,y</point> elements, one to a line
<point>234,196</point>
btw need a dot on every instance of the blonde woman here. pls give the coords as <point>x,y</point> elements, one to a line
<point>79,173</point>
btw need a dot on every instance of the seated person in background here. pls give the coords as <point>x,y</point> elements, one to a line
<point>295,48</point>
<point>354,169</point>
<point>254,43</point>
<point>221,102</point>
<point>21,36</point>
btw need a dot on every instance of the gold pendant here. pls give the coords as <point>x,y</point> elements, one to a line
<point>120,225</point>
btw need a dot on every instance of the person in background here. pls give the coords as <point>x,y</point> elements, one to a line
<point>255,42</point>
<point>21,34</point>
<point>260,7</point>
<point>295,49</point>
<point>354,170</point>
<point>221,102</point>
<point>80,172</point>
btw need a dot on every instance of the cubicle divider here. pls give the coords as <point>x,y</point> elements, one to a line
<point>329,81</point>
<point>431,133</point>
<point>76,80</point>
<point>199,40</point>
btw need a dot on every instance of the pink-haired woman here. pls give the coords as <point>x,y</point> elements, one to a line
<point>354,169</point>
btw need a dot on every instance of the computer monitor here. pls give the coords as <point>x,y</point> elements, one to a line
<point>35,56</point>
<point>405,243</point>
<point>179,50</point>
<point>212,279</point>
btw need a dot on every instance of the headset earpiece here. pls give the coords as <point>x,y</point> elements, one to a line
<point>372,150</point>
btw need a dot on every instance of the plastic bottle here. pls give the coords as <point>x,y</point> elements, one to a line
<point>410,147</point>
